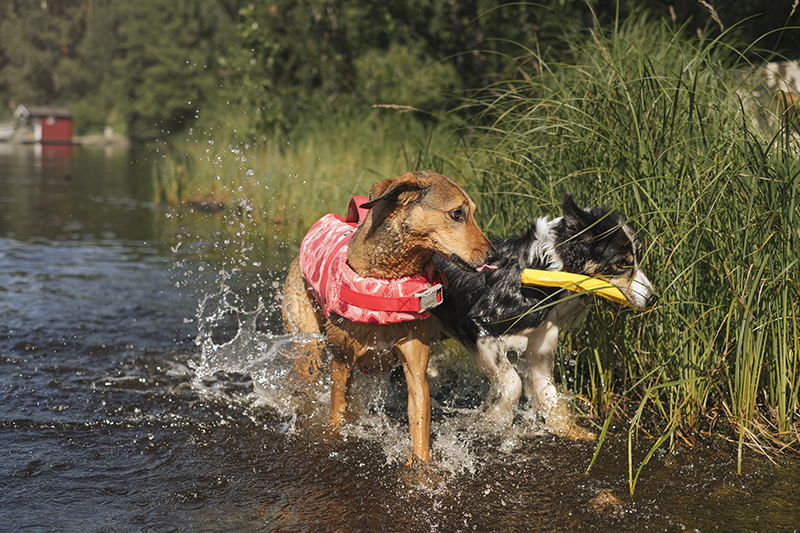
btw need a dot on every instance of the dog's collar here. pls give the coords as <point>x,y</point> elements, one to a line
<point>574,282</point>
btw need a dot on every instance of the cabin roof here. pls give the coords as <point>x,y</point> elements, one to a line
<point>42,111</point>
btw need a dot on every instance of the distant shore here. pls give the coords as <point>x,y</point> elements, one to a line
<point>100,139</point>
<point>97,139</point>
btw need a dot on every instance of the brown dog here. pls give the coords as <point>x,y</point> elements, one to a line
<point>411,218</point>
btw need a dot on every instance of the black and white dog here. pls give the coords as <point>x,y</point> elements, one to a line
<point>493,315</point>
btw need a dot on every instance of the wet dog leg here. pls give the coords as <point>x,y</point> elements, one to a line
<point>537,364</point>
<point>505,386</point>
<point>301,314</point>
<point>414,351</point>
<point>340,380</point>
<point>298,303</point>
<point>537,368</point>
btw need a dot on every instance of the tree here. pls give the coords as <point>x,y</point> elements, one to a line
<point>38,42</point>
<point>165,65</point>
<point>147,65</point>
<point>151,67</point>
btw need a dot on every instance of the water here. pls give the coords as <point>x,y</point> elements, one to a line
<point>147,387</point>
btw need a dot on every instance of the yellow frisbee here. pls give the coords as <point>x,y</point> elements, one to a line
<point>575,283</point>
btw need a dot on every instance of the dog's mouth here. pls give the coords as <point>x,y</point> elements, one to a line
<point>463,265</point>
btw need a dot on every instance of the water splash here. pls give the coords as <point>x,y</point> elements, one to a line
<point>236,335</point>
<point>244,348</point>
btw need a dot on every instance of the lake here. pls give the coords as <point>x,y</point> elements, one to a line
<point>147,386</point>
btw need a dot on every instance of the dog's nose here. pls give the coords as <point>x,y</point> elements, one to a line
<point>492,256</point>
<point>653,300</point>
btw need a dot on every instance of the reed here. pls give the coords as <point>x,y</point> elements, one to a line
<point>644,119</point>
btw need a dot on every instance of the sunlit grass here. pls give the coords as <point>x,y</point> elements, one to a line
<point>283,186</point>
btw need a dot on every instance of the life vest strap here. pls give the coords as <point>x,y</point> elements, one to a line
<point>420,302</point>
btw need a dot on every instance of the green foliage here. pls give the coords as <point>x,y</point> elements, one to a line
<point>298,53</point>
<point>39,49</point>
<point>165,66</point>
<point>401,76</point>
<point>289,51</point>
<point>156,67</point>
<point>143,66</point>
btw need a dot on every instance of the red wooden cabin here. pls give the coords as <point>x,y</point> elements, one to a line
<point>46,125</point>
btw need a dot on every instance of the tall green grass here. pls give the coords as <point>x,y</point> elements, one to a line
<point>659,125</point>
<point>284,185</point>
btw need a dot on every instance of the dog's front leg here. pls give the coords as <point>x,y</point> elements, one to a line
<point>537,364</point>
<point>340,378</point>
<point>414,353</point>
<point>505,386</point>
<point>539,357</point>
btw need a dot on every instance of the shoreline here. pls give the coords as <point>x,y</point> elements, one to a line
<point>84,140</point>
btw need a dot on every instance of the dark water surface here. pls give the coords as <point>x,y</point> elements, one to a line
<point>116,316</point>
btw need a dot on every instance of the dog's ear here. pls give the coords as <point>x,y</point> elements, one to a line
<point>404,189</point>
<point>574,215</point>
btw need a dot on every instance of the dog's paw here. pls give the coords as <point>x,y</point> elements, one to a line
<point>498,416</point>
<point>330,430</point>
<point>422,474</point>
<point>560,421</point>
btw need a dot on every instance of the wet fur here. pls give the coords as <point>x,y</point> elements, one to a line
<point>494,316</point>
<point>411,218</point>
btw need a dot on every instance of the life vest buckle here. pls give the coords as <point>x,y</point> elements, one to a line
<point>430,298</point>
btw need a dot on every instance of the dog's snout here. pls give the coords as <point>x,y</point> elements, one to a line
<point>652,300</point>
<point>492,256</point>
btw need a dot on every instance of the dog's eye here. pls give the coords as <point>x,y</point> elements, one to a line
<point>458,215</point>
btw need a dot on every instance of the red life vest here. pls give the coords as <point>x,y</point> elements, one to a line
<point>338,289</point>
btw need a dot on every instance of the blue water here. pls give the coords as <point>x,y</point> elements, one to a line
<point>144,386</point>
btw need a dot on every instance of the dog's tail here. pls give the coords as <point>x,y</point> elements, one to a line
<point>302,315</point>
